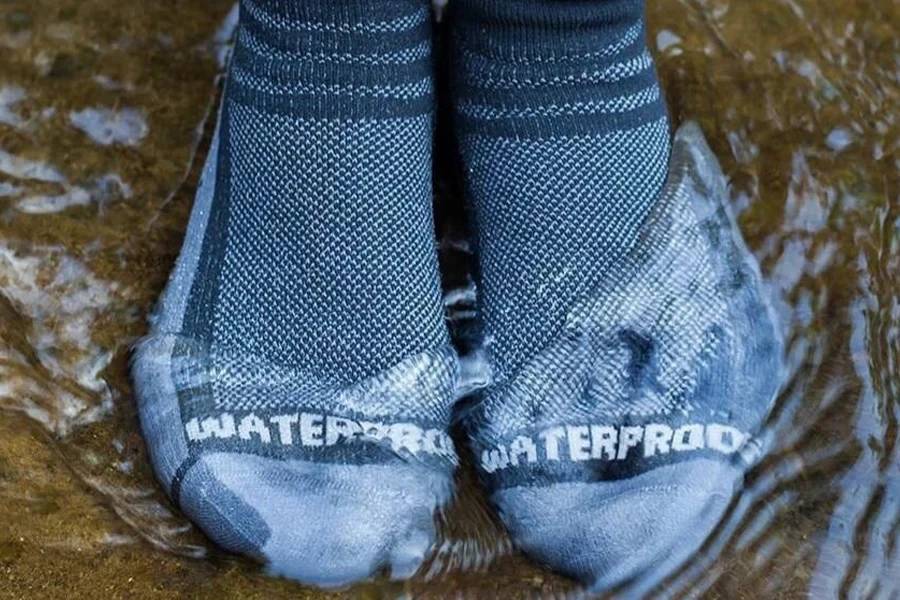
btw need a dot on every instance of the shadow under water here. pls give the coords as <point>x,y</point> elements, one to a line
<point>104,113</point>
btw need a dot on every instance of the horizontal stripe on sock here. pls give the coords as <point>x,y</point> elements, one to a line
<point>325,41</point>
<point>527,104</point>
<point>339,16</point>
<point>406,56</point>
<point>331,91</point>
<point>559,124</point>
<point>538,30</point>
<point>633,37</point>
<point>480,73</point>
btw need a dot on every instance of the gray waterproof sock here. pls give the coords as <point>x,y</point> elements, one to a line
<point>634,354</point>
<point>613,453</point>
<point>295,388</point>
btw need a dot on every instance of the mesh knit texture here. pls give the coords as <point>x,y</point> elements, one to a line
<point>614,452</point>
<point>636,356</point>
<point>328,259</point>
<point>564,139</point>
<point>296,386</point>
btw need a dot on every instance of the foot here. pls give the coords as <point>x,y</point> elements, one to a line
<point>615,451</point>
<point>634,355</point>
<point>295,388</point>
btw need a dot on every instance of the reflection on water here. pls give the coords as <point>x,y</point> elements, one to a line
<point>104,110</point>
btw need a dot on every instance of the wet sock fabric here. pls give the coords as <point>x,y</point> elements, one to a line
<point>634,353</point>
<point>565,141</point>
<point>296,385</point>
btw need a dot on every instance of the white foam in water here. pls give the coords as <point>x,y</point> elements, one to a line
<point>63,314</point>
<point>22,168</point>
<point>108,83</point>
<point>106,127</point>
<point>839,139</point>
<point>8,190</point>
<point>106,188</point>
<point>43,204</point>
<point>111,183</point>
<point>9,97</point>
<point>666,39</point>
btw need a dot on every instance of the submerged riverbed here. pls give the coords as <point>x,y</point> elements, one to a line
<point>104,119</point>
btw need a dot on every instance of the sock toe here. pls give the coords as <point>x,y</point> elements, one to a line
<point>328,525</point>
<point>323,499</point>
<point>606,534</point>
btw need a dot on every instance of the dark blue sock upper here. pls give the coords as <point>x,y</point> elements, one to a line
<point>565,141</point>
<point>296,386</point>
<point>320,251</point>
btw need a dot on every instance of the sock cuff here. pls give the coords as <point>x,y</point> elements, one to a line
<point>334,58</point>
<point>539,68</point>
<point>539,31</point>
<point>346,16</point>
<point>346,28</point>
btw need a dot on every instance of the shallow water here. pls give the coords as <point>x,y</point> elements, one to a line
<point>104,110</point>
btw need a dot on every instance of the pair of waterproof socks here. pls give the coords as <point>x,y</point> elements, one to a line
<point>297,385</point>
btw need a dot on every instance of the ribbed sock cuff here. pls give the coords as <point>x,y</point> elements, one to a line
<point>542,68</point>
<point>335,58</point>
<point>545,29</point>
<point>343,15</point>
